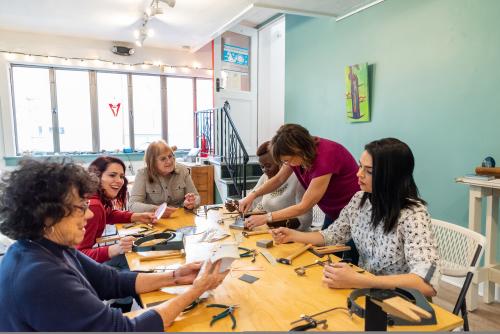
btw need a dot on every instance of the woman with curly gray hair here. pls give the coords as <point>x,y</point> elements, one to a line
<point>47,285</point>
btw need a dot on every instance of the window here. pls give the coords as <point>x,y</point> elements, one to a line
<point>204,94</point>
<point>92,113</point>
<point>73,104</point>
<point>33,109</point>
<point>112,97</point>
<point>180,112</point>
<point>147,109</point>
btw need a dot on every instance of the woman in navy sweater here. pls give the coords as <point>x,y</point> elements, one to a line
<point>47,285</point>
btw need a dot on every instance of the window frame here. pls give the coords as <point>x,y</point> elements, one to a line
<point>93,93</point>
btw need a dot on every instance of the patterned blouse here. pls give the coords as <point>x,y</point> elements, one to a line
<point>408,248</point>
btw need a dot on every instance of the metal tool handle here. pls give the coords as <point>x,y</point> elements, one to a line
<point>248,233</point>
<point>302,328</point>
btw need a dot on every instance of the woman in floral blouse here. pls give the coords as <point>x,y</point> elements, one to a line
<point>388,222</point>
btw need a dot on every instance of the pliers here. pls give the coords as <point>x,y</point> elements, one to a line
<point>248,253</point>
<point>229,309</point>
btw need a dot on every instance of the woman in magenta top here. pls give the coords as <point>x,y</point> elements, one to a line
<point>325,168</point>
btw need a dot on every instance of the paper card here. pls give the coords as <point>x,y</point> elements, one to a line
<point>227,253</point>
<point>160,211</point>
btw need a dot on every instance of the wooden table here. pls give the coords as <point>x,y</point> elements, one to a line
<point>490,272</point>
<point>277,298</point>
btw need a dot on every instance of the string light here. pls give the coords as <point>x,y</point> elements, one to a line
<point>82,61</point>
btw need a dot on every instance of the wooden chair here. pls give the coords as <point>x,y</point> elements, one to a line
<point>460,250</point>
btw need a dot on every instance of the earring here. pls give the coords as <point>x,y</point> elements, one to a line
<point>52,229</point>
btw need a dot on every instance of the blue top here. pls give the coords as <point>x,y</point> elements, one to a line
<point>48,287</point>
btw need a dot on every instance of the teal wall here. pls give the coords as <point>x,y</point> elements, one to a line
<point>434,84</point>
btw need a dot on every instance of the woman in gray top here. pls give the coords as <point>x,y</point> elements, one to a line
<point>162,181</point>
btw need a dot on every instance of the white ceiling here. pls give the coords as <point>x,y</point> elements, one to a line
<point>190,23</point>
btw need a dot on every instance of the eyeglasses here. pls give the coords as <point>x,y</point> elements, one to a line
<point>166,157</point>
<point>84,207</point>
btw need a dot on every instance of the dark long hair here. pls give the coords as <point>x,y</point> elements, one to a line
<point>293,140</point>
<point>39,194</point>
<point>393,186</point>
<point>98,166</point>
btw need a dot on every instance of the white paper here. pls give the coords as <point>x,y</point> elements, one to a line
<point>129,231</point>
<point>227,253</point>
<point>213,234</point>
<point>160,211</point>
<point>180,289</point>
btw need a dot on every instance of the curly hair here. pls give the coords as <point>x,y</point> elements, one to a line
<point>294,140</point>
<point>38,195</point>
<point>98,167</point>
<point>263,148</point>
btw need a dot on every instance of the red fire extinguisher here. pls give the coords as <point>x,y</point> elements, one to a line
<point>204,148</point>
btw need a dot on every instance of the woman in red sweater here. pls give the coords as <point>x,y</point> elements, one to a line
<point>113,186</point>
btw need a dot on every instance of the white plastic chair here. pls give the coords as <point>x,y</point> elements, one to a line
<point>317,219</point>
<point>460,250</point>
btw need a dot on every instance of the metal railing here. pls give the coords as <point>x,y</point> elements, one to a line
<point>216,135</point>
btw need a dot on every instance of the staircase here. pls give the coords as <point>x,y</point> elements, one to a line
<point>218,139</point>
<point>224,184</point>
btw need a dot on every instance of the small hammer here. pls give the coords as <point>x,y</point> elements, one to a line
<point>288,259</point>
<point>246,234</point>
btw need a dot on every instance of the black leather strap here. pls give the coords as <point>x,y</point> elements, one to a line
<point>163,245</point>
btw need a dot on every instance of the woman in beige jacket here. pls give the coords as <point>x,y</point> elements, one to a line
<point>162,181</point>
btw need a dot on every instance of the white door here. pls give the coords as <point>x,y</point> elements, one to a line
<point>235,70</point>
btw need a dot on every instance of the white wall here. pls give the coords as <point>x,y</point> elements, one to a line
<point>271,78</point>
<point>82,48</point>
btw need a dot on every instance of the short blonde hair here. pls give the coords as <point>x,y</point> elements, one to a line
<point>152,152</point>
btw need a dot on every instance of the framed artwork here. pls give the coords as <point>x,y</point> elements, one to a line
<point>357,99</point>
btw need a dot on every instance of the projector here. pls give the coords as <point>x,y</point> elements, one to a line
<point>122,50</point>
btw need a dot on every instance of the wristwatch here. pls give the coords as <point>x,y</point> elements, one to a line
<point>269,217</point>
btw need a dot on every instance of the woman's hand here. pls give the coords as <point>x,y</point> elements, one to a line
<point>210,277</point>
<point>143,217</point>
<point>245,204</point>
<point>283,235</point>
<point>255,220</point>
<point>342,276</point>
<point>187,273</point>
<point>189,201</point>
<point>123,246</point>
<point>168,212</point>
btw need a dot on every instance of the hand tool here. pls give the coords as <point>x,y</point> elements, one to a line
<point>323,250</point>
<point>229,310</point>
<point>246,234</point>
<point>311,322</point>
<point>288,259</point>
<point>301,271</point>
<point>173,254</point>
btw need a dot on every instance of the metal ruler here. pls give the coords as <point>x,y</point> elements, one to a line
<point>269,257</point>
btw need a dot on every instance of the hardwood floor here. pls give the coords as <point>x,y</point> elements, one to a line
<point>485,318</point>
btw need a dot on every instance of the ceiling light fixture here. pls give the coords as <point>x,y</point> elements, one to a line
<point>153,9</point>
